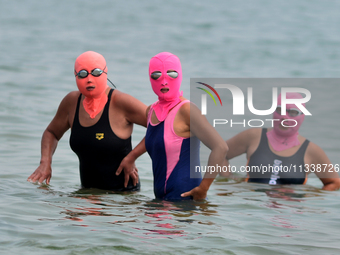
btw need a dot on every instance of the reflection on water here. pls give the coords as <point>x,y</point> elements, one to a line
<point>232,221</point>
<point>282,222</point>
<point>133,214</point>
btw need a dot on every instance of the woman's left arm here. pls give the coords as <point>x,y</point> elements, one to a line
<point>318,163</point>
<point>201,128</point>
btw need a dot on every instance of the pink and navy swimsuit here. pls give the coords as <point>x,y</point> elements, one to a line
<point>171,159</point>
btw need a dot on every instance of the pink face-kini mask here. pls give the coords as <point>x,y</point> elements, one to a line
<point>281,139</point>
<point>93,88</point>
<point>163,63</point>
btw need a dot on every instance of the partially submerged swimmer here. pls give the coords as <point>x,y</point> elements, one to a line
<point>101,121</point>
<point>281,155</point>
<point>176,127</point>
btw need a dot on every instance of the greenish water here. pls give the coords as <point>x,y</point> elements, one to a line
<point>39,41</point>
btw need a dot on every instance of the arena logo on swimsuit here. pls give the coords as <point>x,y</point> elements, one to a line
<point>238,100</point>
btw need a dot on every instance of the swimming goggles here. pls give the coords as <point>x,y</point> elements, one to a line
<point>292,112</point>
<point>155,75</point>
<point>95,72</point>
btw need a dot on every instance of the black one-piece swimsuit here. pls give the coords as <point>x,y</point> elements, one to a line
<point>100,153</point>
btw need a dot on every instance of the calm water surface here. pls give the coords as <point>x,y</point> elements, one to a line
<point>39,42</point>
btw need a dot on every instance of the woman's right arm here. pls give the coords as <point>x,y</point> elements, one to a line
<point>52,134</point>
<point>239,144</point>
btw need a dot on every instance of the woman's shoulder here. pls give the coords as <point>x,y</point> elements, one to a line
<point>125,101</point>
<point>70,98</point>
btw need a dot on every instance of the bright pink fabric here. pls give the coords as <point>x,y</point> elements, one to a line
<point>163,62</point>
<point>281,139</point>
<point>93,88</point>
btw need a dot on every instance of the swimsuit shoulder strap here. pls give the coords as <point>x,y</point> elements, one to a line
<point>76,115</point>
<point>172,114</point>
<point>150,113</point>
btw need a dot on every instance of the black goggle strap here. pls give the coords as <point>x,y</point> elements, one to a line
<point>109,79</point>
<point>111,83</point>
<point>75,72</point>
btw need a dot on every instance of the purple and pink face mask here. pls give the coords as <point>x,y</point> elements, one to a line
<point>293,117</point>
<point>165,74</point>
<point>282,138</point>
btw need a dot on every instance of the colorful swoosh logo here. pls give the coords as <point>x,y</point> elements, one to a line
<point>209,93</point>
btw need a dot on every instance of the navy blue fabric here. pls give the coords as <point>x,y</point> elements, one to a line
<point>182,178</point>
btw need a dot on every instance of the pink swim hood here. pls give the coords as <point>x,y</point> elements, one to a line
<point>93,88</point>
<point>163,62</point>
<point>281,139</point>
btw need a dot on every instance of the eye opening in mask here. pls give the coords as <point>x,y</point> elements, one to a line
<point>157,74</point>
<point>172,73</point>
<point>292,112</point>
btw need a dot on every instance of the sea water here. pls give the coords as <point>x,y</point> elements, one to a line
<point>39,42</point>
